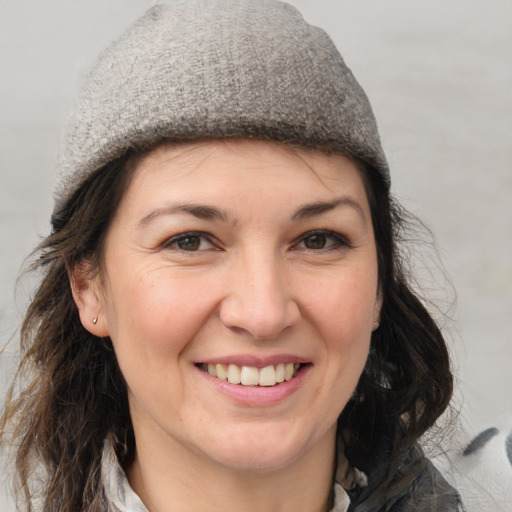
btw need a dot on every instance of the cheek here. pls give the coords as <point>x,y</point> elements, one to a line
<point>156,314</point>
<point>344,309</point>
<point>154,319</point>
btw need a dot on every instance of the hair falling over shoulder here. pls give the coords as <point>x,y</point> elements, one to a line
<point>72,392</point>
<point>407,382</point>
<point>72,395</point>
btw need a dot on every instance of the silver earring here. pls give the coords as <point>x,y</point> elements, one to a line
<point>94,320</point>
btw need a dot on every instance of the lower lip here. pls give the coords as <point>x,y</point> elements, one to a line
<point>258,396</point>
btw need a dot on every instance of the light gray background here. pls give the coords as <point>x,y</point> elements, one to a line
<point>439,75</point>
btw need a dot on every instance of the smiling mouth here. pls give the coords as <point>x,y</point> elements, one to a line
<point>268,376</point>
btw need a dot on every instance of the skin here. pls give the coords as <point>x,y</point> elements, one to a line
<point>257,285</point>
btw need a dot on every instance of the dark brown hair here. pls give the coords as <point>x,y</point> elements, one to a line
<point>407,381</point>
<point>76,395</point>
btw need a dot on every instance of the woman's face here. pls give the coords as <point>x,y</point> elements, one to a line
<point>239,260</point>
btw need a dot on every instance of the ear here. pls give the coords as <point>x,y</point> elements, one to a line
<point>376,311</point>
<point>86,290</point>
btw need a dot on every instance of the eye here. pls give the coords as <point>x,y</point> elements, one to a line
<point>190,242</point>
<point>321,239</point>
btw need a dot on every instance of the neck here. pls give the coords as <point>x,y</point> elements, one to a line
<point>177,479</point>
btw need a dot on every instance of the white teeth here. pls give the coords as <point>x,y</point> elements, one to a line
<point>234,374</point>
<point>212,370</point>
<point>222,371</point>
<point>280,372</point>
<point>289,370</point>
<point>251,375</point>
<point>268,376</point>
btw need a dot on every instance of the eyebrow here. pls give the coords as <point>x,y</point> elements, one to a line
<point>211,213</point>
<point>200,211</point>
<point>317,208</point>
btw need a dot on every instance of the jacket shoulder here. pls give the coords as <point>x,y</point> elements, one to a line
<point>429,492</point>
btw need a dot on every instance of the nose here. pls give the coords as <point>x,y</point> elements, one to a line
<point>259,303</point>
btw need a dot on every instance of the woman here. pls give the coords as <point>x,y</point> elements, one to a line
<point>224,321</point>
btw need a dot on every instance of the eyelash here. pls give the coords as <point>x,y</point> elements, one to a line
<point>338,241</point>
<point>172,242</point>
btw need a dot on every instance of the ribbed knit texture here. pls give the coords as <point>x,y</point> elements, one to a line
<point>217,68</point>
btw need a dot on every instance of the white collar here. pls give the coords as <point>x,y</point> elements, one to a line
<point>121,497</point>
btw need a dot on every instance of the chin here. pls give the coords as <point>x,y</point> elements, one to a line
<point>261,451</point>
<point>256,460</point>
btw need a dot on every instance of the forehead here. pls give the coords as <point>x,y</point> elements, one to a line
<point>213,166</point>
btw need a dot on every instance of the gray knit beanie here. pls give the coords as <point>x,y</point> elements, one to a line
<point>196,69</point>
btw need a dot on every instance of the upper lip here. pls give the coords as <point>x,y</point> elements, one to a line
<point>255,361</point>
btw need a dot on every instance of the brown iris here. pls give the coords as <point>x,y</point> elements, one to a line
<point>316,241</point>
<point>189,243</point>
